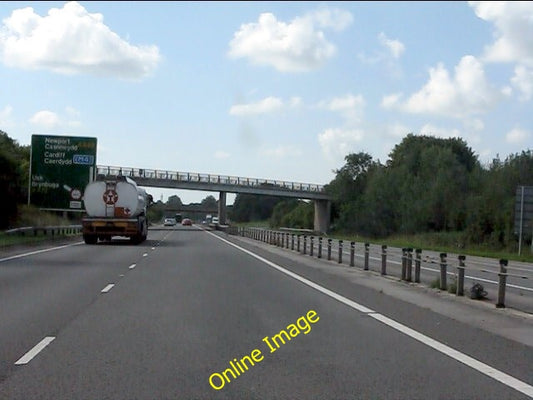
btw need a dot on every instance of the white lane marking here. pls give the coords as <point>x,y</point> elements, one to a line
<point>153,248</point>
<point>26,358</point>
<point>322,289</point>
<point>132,266</point>
<point>108,288</point>
<point>457,355</point>
<point>145,254</point>
<point>485,369</point>
<point>38,252</point>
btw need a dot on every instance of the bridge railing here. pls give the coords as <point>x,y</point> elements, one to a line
<point>207,178</point>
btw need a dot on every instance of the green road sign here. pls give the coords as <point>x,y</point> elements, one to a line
<point>61,167</point>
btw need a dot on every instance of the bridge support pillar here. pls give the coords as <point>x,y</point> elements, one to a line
<point>322,215</point>
<point>222,208</point>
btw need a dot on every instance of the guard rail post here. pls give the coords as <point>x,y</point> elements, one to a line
<point>443,284</point>
<point>502,280</point>
<point>305,244</point>
<point>384,259</point>
<point>311,250</point>
<point>418,262</point>
<point>320,247</point>
<point>461,276</point>
<point>287,240</point>
<point>352,254</point>
<point>404,263</point>
<point>329,249</point>
<point>409,276</point>
<point>340,251</point>
<point>292,241</point>
<point>298,244</point>
<point>367,256</point>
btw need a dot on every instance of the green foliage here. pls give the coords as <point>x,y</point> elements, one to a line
<point>156,212</point>
<point>280,210</point>
<point>253,207</point>
<point>209,203</point>
<point>300,217</point>
<point>14,172</point>
<point>431,185</point>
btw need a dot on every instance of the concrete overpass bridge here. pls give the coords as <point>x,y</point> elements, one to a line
<point>229,184</point>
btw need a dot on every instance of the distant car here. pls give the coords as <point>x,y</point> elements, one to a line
<point>215,220</point>
<point>169,222</point>
<point>186,221</point>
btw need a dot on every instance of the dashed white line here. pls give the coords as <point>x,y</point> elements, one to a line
<point>485,369</point>
<point>145,254</point>
<point>108,288</point>
<point>132,266</point>
<point>26,358</point>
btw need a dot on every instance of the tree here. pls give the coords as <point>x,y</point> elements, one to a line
<point>253,207</point>
<point>174,202</point>
<point>14,173</point>
<point>209,203</point>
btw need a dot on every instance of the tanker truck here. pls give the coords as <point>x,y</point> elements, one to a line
<point>115,207</point>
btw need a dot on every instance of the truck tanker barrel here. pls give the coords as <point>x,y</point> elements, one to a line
<point>125,200</point>
<point>115,207</point>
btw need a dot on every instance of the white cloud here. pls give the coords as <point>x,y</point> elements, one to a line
<point>397,130</point>
<point>517,136</point>
<point>295,102</point>
<point>513,21</point>
<point>474,124</point>
<point>331,18</point>
<point>439,132</point>
<point>267,105</point>
<point>467,93</point>
<point>48,119</point>
<point>391,100</point>
<point>349,106</point>
<point>5,117</point>
<point>221,155</point>
<point>523,81</point>
<point>71,40</point>
<point>394,46</point>
<point>45,119</point>
<point>282,152</point>
<point>296,46</point>
<point>337,142</point>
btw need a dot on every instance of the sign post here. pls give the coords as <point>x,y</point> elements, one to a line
<point>524,214</point>
<point>60,168</point>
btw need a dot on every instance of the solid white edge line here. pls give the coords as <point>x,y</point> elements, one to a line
<point>108,288</point>
<point>479,366</point>
<point>305,281</point>
<point>26,358</point>
<point>491,372</point>
<point>38,252</point>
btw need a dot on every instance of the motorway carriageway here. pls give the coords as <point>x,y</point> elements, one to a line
<point>178,316</point>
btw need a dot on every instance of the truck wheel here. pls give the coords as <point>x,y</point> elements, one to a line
<point>136,239</point>
<point>90,239</point>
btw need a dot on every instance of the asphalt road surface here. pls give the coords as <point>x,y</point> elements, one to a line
<point>191,314</point>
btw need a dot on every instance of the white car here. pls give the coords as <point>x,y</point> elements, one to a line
<point>214,220</point>
<point>169,222</point>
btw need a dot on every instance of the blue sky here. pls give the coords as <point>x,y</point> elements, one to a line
<point>277,90</point>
